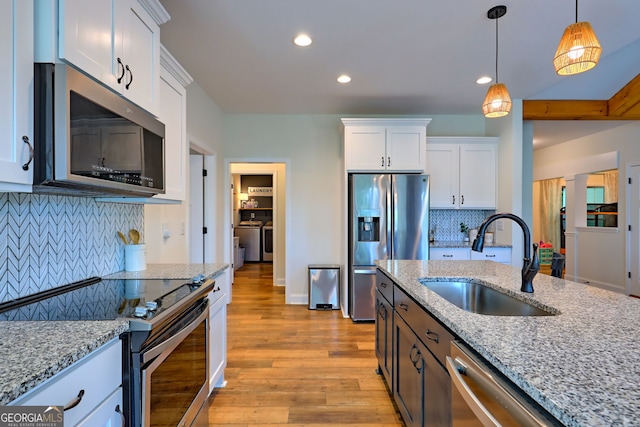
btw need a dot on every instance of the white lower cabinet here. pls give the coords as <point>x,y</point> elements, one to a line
<point>449,253</point>
<point>218,299</point>
<point>108,414</point>
<point>95,380</point>
<point>501,255</point>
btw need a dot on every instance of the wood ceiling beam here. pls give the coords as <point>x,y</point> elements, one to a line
<point>624,105</point>
<point>627,98</point>
<point>564,110</point>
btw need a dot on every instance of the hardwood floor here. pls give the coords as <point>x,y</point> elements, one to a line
<point>288,365</point>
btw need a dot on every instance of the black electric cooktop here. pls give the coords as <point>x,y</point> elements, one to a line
<point>102,299</point>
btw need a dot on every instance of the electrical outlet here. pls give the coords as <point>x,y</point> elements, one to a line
<point>499,225</point>
<point>253,215</point>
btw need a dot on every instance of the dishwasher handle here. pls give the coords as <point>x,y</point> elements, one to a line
<point>487,383</point>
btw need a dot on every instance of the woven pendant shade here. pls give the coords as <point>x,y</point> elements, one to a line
<point>578,51</point>
<point>497,103</point>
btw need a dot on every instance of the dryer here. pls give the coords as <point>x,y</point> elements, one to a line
<point>249,233</point>
<point>267,241</point>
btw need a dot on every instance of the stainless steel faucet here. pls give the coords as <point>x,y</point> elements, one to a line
<point>530,265</point>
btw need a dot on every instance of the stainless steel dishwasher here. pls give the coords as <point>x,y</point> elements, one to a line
<point>482,396</point>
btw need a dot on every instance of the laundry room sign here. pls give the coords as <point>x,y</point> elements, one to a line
<point>260,191</point>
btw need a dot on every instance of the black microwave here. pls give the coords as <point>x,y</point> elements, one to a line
<point>90,141</point>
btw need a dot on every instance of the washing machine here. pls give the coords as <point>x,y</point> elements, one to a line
<point>250,233</point>
<point>267,241</point>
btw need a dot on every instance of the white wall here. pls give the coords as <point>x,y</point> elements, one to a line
<point>601,254</point>
<point>311,147</point>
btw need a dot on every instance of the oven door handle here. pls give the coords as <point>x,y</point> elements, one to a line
<point>173,342</point>
<point>457,368</point>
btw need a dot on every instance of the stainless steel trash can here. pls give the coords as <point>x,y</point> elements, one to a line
<point>324,287</point>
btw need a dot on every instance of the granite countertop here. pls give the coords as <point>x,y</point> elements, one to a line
<point>172,271</point>
<point>582,364</point>
<point>34,351</point>
<point>460,244</point>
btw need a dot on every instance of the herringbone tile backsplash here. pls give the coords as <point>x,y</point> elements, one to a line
<point>48,241</point>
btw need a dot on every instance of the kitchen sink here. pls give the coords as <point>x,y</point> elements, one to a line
<point>477,298</point>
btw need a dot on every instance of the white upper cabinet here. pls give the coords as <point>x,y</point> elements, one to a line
<point>16,102</point>
<point>115,41</point>
<point>463,173</point>
<point>173,113</point>
<point>391,145</point>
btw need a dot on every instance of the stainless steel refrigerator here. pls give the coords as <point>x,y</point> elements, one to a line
<point>388,219</point>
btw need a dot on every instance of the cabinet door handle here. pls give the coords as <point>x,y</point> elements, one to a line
<point>75,401</point>
<point>382,161</point>
<point>130,77</point>
<point>119,411</point>
<point>490,255</point>
<point>120,64</point>
<point>418,363</point>
<point>412,357</point>
<point>403,306</point>
<point>432,336</point>
<point>462,199</point>
<point>383,285</point>
<point>382,312</point>
<point>453,202</point>
<point>447,256</point>
<point>388,161</point>
<point>25,139</point>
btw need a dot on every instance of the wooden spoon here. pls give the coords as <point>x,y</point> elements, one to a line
<point>124,239</point>
<point>134,235</point>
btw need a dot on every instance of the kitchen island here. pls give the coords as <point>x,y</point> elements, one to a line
<point>32,352</point>
<point>581,365</point>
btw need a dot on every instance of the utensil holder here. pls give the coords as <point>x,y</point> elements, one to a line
<point>135,257</point>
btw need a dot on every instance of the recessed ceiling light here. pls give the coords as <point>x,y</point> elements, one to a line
<point>302,40</point>
<point>344,79</point>
<point>484,80</point>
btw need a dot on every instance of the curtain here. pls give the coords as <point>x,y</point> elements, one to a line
<point>551,202</point>
<point>610,186</point>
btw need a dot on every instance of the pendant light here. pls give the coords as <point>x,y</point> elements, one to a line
<point>497,103</point>
<point>579,49</point>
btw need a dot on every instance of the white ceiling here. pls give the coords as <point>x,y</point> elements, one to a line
<point>406,57</point>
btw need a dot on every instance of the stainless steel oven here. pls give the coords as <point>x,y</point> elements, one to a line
<point>482,396</point>
<point>165,355</point>
<point>166,359</point>
<point>173,370</point>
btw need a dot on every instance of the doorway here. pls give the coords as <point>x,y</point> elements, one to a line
<point>271,207</point>
<point>633,231</point>
<point>202,213</point>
